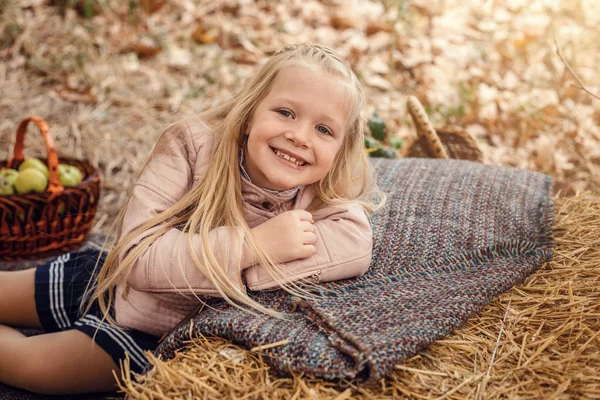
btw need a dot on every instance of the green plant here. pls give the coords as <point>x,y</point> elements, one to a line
<point>377,127</point>
<point>374,143</point>
<point>85,8</point>
<point>396,142</point>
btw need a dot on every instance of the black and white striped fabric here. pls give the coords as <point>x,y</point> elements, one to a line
<point>59,287</point>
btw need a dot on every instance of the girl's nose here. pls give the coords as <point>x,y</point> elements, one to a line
<point>299,136</point>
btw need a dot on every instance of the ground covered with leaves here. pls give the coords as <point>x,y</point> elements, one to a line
<point>109,76</point>
<point>521,76</point>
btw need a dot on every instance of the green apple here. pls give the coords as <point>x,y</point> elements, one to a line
<point>35,163</point>
<point>70,175</point>
<point>8,176</point>
<point>31,180</point>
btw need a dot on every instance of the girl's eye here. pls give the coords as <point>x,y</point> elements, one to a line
<point>284,112</point>
<point>324,130</point>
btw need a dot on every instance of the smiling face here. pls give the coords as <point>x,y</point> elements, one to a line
<point>296,130</point>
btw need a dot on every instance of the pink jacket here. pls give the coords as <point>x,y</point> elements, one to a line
<point>158,294</point>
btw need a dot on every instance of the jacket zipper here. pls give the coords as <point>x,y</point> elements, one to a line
<point>316,276</point>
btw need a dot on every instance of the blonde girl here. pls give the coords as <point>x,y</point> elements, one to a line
<point>271,189</point>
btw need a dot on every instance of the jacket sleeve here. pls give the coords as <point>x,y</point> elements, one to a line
<point>343,250</point>
<point>166,266</point>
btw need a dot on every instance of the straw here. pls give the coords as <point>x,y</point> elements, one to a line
<point>541,339</point>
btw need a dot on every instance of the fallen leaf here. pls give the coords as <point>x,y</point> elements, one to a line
<point>151,6</point>
<point>130,62</point>
<point>231,7</point>
<point>345,21</point>
<point>374,27</point>
<point>77,96</point>
<point>550,110</point>
<point>378,82</point>
<point>292,26</point>
<point>410,61</point>
<point>145,51</point>
<point>379,66</point>
<point>245,57</point>
<point>476,130</point>
<point>544,153</point>
<point>202,35</point>
<point>178,57</point>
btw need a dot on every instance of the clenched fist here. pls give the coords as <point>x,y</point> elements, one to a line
<point>288,236</point>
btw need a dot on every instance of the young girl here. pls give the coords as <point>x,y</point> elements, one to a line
<point>270,189</point>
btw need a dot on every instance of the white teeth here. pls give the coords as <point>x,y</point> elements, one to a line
<point>290,159</point>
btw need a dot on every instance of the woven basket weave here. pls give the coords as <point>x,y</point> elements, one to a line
<point>447,142</point>
<point>38,225</point>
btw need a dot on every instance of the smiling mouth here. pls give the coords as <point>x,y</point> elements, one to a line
<point>289,158</point>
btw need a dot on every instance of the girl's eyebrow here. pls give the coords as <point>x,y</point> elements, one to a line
<point>322,117</point>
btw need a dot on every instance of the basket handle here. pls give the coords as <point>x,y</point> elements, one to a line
<point>54,186</point>
<point>424,127</point>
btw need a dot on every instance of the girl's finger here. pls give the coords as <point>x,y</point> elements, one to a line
<point>306,226</point>
<point>304,215</point>
<point>309,250</point>
<point>309,238</point>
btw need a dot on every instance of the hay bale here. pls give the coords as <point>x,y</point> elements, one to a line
<point>539,340</point>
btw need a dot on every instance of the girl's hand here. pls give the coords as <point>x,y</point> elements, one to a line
<point>288,236</point>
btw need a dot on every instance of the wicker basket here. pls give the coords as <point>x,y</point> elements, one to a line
<point>447,142</point>
<point>39,225</point>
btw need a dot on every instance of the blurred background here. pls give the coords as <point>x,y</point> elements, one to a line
<point>521,76</point>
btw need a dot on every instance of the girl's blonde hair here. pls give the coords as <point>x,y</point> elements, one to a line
<point>215,200</point>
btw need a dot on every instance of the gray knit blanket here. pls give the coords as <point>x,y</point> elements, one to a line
<point>454,235</point>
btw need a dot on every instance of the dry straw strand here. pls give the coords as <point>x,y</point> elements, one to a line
<point>483,385</point>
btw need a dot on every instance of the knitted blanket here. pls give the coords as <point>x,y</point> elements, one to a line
<point>454,235</point>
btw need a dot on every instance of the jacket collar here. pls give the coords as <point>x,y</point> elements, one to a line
<point>269,200</point>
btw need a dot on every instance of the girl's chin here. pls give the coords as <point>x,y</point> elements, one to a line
<point>281,188</point>
<point>283,185</point>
